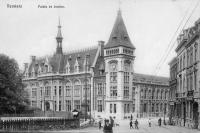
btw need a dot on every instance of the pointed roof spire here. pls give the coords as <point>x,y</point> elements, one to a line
<point>119,35</point>
<point>59,34</point>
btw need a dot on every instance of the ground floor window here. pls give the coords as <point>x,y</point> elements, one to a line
<point>77,104</point>
<point>68,105</point>
<point>99,105</point>
<point>59,105</point>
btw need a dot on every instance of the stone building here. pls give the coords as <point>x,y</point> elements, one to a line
<point>101,79</point>
<point>188,77</point>
<point>150,95</point>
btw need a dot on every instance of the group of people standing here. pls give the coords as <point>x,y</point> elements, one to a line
<point>136,123</point>
<point>108,125</point>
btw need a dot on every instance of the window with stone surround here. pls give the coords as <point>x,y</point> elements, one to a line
<point>77,88</point>
<point>77,104</point>
<point>33,103</point>
<point>68,89</point>
<point>68,105</point>
<point>126,92</point>
<point>99,105</point>
<point>115,108</point>
<point>113,91</point>
<point>34,92</point>
<point>47,91</point>
<point>100,89</point>
<point>110,108</point>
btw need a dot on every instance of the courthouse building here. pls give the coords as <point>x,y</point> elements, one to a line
<point>187,93</point>
<point>101,79</point>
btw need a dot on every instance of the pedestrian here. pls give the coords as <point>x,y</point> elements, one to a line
<point>159,121</point>
<point>131,124</point>
<point>111,121</point>
<point>99,125</point>
<point>136,124</point>
<point>149,122</point>
<point>107,127</point>
<point>131,117</point>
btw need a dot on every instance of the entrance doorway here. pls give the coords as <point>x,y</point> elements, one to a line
<point>195,115</point>
<point>47,106</point>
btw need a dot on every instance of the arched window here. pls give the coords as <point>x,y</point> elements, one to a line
<point>68,89</point>
<point>77,88</point>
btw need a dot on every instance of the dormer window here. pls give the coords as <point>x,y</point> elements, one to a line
<point>67,68</point>
<point>46,68</point>
<point>70,58</point>
<point>125,38</point>
<point>114,38</point>
<point>77,66</point>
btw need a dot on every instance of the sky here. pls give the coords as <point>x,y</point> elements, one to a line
<point>151,25</point>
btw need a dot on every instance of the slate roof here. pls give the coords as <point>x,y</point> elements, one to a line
<point>150,78</point>
<point>58,61</point>
<point>119,35</point>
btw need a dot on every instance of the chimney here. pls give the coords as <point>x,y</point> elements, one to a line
<point>33,58</point>
<point>101,47</point>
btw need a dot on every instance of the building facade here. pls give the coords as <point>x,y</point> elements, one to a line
<point>188,77</point>
<point>99,80</point>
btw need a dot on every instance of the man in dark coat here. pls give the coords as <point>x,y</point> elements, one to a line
<point>131,124</point>
<point>107,127</point>
<point>136,124</point>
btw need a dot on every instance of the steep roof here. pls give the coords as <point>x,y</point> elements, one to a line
<point>119,35</point>
<point>58,62</point>
<point>150,79</point>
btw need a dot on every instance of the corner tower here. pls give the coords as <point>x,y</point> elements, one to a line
<point>59,39</point>
<point>119,60</point>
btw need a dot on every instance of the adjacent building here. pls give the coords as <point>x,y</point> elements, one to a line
<point>98,80</point>
<point>187,91</point>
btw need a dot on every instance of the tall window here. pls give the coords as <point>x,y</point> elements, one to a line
<point>113,76</point>
<point>99,105</point>
<point>99,89</point>
<point>59,105</point>
<point>195,80</point>
<point>184,60</point>
<point>126,77</point>
<point>191,56</point>
<point>34,92</point>
<point>68,89</point>
<point>34,103</point>
<point>195,52</point>
<point>77,89</point>
<point>126,92</point>
<point>68,105</point>
<point>113,91</point>
<point>48,91</point>
<point>133,93</point>
<point>115,108</point>
<point>60,91</point>
<point>133,107</point>
<point>113,71</point>
<point>110,108</point>
<point>77,104</point>
<point>188,57</point>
